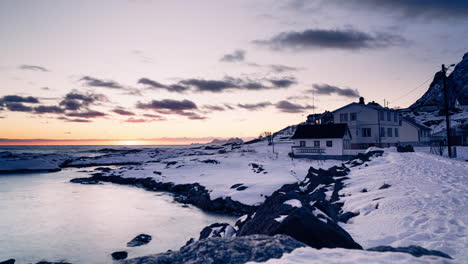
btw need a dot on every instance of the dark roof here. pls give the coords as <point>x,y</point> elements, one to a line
<point>321,131</point>
<point>416,124</point>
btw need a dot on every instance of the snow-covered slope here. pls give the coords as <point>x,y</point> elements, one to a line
<point>457,81</point>
<point>426,203</point>
<point>310,255</point>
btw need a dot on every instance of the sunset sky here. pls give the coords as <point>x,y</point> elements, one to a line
<point>176,72</point>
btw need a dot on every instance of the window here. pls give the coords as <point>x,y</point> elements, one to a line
<point>395,117</point>
<point>329,143</point>
<point>390,132</point>
<point>389,116</point>
<point>353,116</point>
<point>344,117</point>
<point>382,132</point>
<point>396,132</point>
<point>302,143</point>
<point>316,144</point>
<point>366,132</point>
<point>357,132</point>
<point>382,115</point>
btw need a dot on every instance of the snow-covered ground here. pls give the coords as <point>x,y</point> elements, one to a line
<point>426,204</point>
<point>349,256</point>
<point>253,166</point>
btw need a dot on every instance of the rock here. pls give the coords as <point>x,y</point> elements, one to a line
<point>346,216</point>
<point>103,169</point>
<point>85,181</point>
<point>234,186</point>
<point>47,262</point>
<point>407,148</point>
<point>118,255</point>
<point>385,186</point>
<point>141,239</point>
<point>237,250</point>
<point>9,261</point>
<point>413,250</point>
<point>212,161</point>
<point>194,193</point>
<point>241,188</point>
<point>223,230</point>
<point>309,223</point>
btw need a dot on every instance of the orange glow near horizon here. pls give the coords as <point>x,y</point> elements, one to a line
<point>97,142</point>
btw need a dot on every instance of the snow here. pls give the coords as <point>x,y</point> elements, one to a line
<point>30,162</point>
<point>310,255</point>
<point>426,204</point>
<point>280,218</point>
<point>235,167</point>
<point>294,203</point>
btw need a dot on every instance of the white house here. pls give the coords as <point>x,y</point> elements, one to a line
<point>324,141</point>
<point>413,133</point>
<point>370,124</point>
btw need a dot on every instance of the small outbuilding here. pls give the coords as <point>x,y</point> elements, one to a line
<point>325,141</point>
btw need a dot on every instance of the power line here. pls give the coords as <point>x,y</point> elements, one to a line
<point>417,87</point>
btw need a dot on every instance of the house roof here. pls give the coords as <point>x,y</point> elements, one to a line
<point>372,105</point>
<point>414,123</point>
<point>321,131</point>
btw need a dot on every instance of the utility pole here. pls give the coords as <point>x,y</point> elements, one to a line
<point>447,114</point>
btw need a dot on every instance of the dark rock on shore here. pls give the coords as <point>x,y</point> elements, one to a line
<point>141,239</point>
<point>413,250</point>
<point>9,261</point>
<point>223,230</point>
<point>256,248</point>
<point>58,262</point>
<point>118,255</point>
<point>194,194</point>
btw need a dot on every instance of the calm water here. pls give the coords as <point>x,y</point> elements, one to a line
<point>44,217</point>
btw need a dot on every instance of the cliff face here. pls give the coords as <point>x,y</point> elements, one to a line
<point>457,82</point>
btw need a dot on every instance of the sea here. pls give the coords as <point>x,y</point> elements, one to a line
<point>45,217</point>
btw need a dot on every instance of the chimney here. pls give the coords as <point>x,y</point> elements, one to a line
<point>361,100</point>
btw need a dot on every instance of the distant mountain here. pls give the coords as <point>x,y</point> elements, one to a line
<point>226,141</point>
<point>457,82</point>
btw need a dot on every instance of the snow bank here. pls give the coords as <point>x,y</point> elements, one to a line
<point>425,203</point>
<point>340,256</point>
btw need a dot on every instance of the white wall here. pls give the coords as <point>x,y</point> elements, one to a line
<point>336,149</point>
<point>408,132</point>
<point>368,118</point>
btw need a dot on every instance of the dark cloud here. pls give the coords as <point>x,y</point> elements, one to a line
<point>18,99</point>
<point>95,82</point>
<point>74,120</point>
<point>153,116</point>
<point>288,107</point>
<point>157,85</point>
<point>235,56</point>
<point>138,120</point>
<point>218,86</point>
<point>87,114</point>
<point>18,107</point>
<point>345,39</point>
<point>275,68</point>
<point>326,89</point>
<point>75,101</point>
<point>168,104</point>
<point>48,109</point>
<point>32,68</point>
<point>255,107</point>
<point>428,9</point>
<point>123,112</point>
<point>214,107</point>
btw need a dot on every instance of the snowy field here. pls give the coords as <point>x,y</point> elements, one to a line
<point>425,205</point>
<point>349,256</point>
<point>255,167</point>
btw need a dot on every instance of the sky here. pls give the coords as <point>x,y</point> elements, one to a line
<point>179,72</point>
